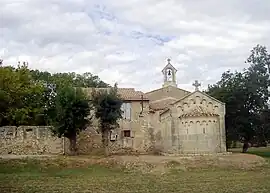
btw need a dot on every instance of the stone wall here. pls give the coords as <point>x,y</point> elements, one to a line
<point>139,141</point>
<point>88,142</point>
<point>29,140</point>
<point>191,135</point>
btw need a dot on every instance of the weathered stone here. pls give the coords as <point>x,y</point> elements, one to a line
<point>28,140</point>
<point>166,120</point>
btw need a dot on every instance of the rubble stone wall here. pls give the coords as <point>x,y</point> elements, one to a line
<point>29,140</point>
<point>34,140</point>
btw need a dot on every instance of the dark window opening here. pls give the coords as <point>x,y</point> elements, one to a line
<point>127,133</point>
<point>9,133</point>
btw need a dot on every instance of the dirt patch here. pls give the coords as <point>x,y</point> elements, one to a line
<point>162,164</point>
<point>237,161</point>
<point>152,163</point>
<point>12,156</point>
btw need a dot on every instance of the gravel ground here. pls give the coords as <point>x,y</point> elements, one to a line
<point>10,156</point>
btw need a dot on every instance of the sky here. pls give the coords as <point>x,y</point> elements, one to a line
<point>128,42</point>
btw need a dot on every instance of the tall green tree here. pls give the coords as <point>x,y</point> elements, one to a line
<point>107,108</point>
<point>257,78</point>
<point>20,97</point>
<point>57,81</point>
<point>264,132</point>
<point>77,80</point>
<point>245,94</point>
<point>72,112</point>
<point>230,91</point>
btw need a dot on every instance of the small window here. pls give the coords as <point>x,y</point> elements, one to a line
<point>28,130</point>
<point>9,133</point>
<point>127,133</point>
<point>203,130</point>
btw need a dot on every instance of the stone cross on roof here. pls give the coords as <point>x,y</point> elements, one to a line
<point>169,60</point>
<point>196,84</point>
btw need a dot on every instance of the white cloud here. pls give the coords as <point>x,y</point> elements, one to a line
<point>129,41</point>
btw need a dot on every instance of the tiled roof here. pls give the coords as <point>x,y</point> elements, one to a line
<point>162,104</point>
<point>198,111</point>
<point>125,93</point>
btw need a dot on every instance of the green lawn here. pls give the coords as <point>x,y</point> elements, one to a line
<point>263,152</point>
<point>58,176</point>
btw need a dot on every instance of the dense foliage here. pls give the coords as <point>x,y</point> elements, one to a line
<point>246,96</point>
<point>32,97</point>
<point>72,111</point>
<point>27,97</point>
<point>107,108</point>
<point>21,98</point>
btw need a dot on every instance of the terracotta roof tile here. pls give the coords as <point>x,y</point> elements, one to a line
<point>125,93</point>
<point>162,104</point>
<point>198,111</point>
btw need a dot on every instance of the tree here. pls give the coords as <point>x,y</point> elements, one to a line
<point>76,80</point>
<point>72,114</point>
<point>265,128</point>
<point>257,77</point>
<point>230,91</point>
<point>107,107</point>
<point>20,97</point>
<point>245,94</point>
<point>57,81</point>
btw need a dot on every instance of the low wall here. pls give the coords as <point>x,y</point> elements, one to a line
<point>88,142</point>
<point>29,140</point>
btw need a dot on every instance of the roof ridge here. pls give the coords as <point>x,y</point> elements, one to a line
<point>166,87</point>
<point>163,99</point>
<point>125,93</point>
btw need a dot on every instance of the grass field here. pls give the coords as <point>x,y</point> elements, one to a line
<point>31,175</point>
<point>263,152</point>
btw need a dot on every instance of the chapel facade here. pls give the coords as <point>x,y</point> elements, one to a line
<point>170,120</point>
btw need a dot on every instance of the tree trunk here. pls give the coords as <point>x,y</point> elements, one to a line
<point>234,144</point>
<point>245,146</point>
<point>72,145</point>
<point>105,142</point>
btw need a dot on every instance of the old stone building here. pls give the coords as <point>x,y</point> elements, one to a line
<point>166,120</point>
<point>170,119</point>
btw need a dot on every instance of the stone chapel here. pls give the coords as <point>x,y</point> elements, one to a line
<point>170,120</point>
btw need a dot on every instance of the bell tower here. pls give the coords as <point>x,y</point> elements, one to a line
<point>169,73</point>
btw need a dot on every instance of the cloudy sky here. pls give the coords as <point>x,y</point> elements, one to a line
<point>129,41</point>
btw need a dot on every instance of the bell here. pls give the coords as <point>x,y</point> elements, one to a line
<point>169,73</point>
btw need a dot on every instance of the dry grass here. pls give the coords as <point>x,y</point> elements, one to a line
<point>123,174</point>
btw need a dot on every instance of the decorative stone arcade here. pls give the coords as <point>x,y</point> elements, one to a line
<point>199,131</point>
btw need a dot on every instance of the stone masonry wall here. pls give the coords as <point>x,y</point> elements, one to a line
<point>88,142</point>
<point>29,140</point>
<point>33,140</point>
